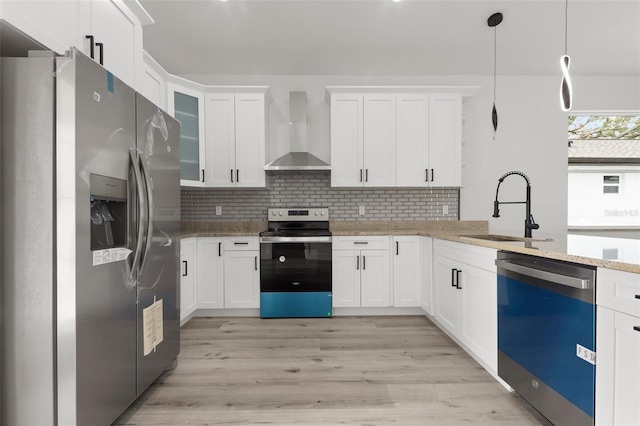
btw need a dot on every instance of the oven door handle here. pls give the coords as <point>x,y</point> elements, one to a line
<point>579,283</point>
<point>295,239</point>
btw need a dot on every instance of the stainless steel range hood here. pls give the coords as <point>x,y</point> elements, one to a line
<point>299,157</point>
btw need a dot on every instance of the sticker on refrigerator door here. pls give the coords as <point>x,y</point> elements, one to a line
<point>153,331</point>
<point>586,354</point>
<point>100,257</point>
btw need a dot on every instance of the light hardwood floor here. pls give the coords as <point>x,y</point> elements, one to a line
<point>345,370</point>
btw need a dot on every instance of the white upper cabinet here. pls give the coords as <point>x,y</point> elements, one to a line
<point>186,104</point>
<point>363,140</point>
<point>445,139</point>
<point>62,24</point>
<point>404,138</point>
<point>119,31</point>
<point>379,140</point>
<point>412,140</point>
<point>154,82</point>
<point>235,135</point>
<point>53,23</point>
<point>346,139</point>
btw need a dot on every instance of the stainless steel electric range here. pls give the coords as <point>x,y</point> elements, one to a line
<point>295,264</point>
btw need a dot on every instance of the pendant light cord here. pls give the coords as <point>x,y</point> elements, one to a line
<point>566,21</point>
<point>495,60</point>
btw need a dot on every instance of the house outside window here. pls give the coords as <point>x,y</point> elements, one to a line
<point>611,184</point>
<point>604,173</point>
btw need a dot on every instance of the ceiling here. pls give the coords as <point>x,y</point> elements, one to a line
<point>381,37</point>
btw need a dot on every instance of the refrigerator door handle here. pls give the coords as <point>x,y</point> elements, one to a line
<point>149,203</point>
<point>141,209</point>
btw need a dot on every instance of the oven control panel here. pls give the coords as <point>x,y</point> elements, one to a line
<point>299,214</point>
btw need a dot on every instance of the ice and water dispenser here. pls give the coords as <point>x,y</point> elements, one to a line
<point>108,212</point>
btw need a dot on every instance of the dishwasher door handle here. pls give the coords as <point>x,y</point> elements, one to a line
<point>579,283</point>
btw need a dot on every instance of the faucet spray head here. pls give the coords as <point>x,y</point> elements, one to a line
<point>496,210</point>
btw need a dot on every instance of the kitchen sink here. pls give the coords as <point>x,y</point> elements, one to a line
<point>502,238</point>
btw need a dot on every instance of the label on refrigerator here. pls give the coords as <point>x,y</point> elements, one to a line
<point>152,327</point>
<point>100,257</point>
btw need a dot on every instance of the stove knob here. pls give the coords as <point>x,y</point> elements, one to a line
<point>316,213</point>
<point>321,213</point>
<point>273,213</point>
<point>279,213</point>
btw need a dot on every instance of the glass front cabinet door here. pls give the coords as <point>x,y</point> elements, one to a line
<point>187,106</point>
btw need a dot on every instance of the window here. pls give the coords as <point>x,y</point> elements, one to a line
<point>611,184</point>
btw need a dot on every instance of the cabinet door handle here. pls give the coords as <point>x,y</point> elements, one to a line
<point>366,175</point>
<point>185,268</point>
<point>426,175</point>
<point>255,262</point>
<point>397,248</point>
<point>458,286</point>
<point>636,328</point>
<point>637,296</point>
<point>432,175</point>
<point>357,263</point>
<point>203,175</point>
<point>237,176</point>
<point>91,47</point>
<point>453,274</point>
<point>360,175</point>
<point>101,46</point>
<point>219,249</point>
<point>231,175</point>
<point>364,263</point>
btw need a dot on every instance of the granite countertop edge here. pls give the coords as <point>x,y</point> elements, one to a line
<point>455,231</point>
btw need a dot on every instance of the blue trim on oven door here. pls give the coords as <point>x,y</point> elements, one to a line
<point>542,338</point>
<point>306,304</point>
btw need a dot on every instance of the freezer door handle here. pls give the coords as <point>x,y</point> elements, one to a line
<point>149,204</point>
<point>141,209</point>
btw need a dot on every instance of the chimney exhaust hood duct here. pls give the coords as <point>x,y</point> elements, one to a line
<point>299,157</point>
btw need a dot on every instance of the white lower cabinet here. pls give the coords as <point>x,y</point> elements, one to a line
<point>426,265</point>
<point>407,276</point>
<point>210,276</point>
<point>618,348</point>
<point>361,272</point>
<point>465,295</point>
<point>242,279</point>
<point>187,277</point>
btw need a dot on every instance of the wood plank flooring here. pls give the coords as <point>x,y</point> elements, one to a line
<point>345,370</point>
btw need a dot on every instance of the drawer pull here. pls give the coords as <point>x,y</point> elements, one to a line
<point>241,244</point>
<point>637,296</point>
<point>360,242</point>
<point>636,328</point>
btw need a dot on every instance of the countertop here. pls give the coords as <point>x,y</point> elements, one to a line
<point>579,248</point>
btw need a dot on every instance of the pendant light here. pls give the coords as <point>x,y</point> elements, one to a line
<point>565,85</point>
<point>493,21</point>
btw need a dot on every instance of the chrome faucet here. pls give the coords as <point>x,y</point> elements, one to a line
<point>529,223</point>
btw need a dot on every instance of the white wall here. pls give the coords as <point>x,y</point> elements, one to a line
<point>531,137</point>
<point>589,206</point>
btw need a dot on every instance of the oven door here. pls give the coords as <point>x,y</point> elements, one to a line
<point>294,264</point>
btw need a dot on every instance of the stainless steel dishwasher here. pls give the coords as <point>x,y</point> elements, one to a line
<point>546,335</point>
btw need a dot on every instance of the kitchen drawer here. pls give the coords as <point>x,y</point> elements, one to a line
<point>361,243</point>
<point>241,243</point>
<point>480,257</point>
<point>619,291</point>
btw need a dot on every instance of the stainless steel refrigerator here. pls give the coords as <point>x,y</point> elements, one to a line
<point>90,235</point>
